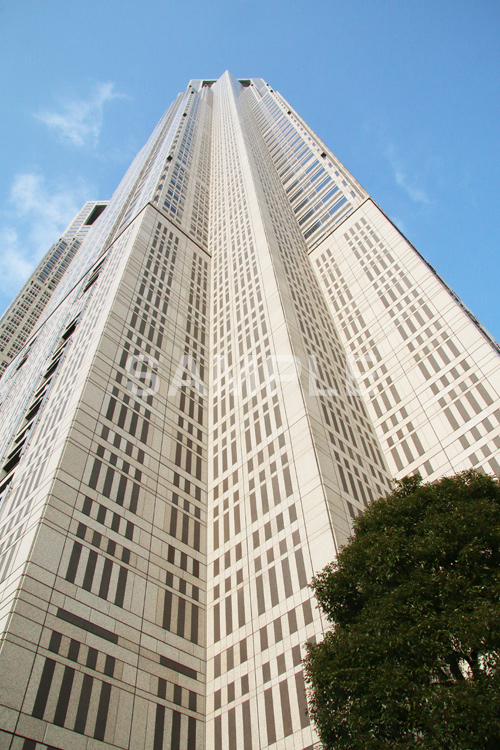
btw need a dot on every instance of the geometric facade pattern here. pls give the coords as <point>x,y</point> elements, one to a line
<point>242,354</point>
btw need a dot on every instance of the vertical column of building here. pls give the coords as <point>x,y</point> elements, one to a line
<point>428,372</point>
<point>252,552</point>
<point>111,604</point>
<point>343,435</point>
<point>273,516</point>
<point>34,522</point>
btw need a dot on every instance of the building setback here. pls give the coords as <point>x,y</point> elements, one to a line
<point>241,355</point>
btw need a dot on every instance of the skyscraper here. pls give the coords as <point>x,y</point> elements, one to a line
<point>24,312</point>
<point>242,353</point>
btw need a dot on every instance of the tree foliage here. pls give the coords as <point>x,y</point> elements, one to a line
<point>412,659</point>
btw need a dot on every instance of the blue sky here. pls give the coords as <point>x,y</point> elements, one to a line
<point>406,94</point>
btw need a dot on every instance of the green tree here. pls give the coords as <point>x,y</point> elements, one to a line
<point>412,659</point>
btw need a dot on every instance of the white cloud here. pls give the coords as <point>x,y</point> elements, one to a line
<point>14,267</point>
<point>38,215</point>
<point>79,121</point>
<point>417,195</point>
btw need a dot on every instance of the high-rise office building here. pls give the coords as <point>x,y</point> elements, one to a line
<point>22,315</point>
<point>241,355</point>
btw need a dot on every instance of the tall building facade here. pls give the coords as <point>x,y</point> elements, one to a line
<point>241,355</point>
<point>22,315</point>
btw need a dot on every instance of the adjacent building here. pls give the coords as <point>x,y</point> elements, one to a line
<point>22,315</point>
<point>242,354</point>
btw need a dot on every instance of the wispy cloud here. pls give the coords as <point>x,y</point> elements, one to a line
<point>417,194</point>
<point>39,213</point>
<point>79,121</point>
<point>14,266</point>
